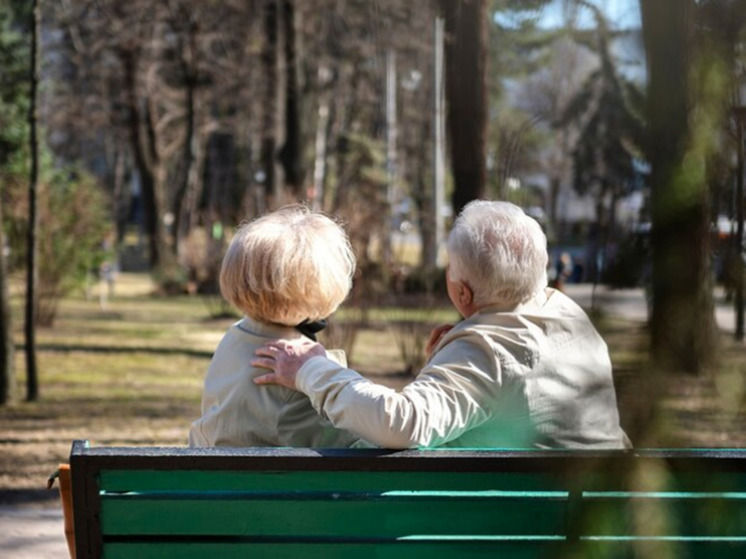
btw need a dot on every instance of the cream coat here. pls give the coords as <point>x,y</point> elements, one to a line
<point>236,412</point>
<point>538,375</point>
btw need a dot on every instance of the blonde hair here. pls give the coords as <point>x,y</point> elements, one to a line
<point>288,266</point>
<point>499,251</point>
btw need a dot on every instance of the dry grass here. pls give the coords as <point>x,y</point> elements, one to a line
<point>677,410</point>
<point>129,374</point>
<point>132,374</point>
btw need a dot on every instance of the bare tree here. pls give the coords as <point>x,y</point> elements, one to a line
<point>32,272</point>
<point>12,89</point>
<point>466,96</point>
<point>169,84</point>
<point>547,95</point>
<point>7,368</point>
<point>148,159</point>
<point>291,153</point>
<point>270,67</point>
<point>184,21</point>
<point>156,83</point>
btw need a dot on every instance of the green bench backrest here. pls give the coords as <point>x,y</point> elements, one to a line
<point>277,503</point>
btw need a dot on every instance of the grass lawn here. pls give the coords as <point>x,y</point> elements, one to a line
<point>131,373</point>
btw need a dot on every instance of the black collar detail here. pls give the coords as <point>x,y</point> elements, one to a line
<point>309,328</point>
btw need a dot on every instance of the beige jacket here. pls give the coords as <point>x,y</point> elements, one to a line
<point>236,412</point>
<point>538,375</point>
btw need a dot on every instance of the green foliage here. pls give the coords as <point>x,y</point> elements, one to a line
<point>80,225</point>
<point>13,85</point>
<point>519,48</point>
<point>608,110</point>
<point>517,44</point>
<point>73,224</point>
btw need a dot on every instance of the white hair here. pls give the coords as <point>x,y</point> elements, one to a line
<point>499,251</point>
<point>288,266</point>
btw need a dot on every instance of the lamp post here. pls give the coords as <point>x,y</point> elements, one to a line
<point>739,110</point>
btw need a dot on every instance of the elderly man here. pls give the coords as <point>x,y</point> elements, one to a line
<point>524,368</point>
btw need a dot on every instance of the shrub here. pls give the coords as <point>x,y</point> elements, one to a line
<point>73,225</point>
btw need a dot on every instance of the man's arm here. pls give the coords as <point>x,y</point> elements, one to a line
<point>285,357</point>
<point>447,399</point>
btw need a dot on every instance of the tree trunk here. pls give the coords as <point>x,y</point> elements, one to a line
<point>7,369</point>
<point>554,190</point>
<point>428,193</point>
<point>431,258</point>
<point>423,196</point>
<point>323,120</point>
<point>682,321</point>
<point>120,197</point>
<point>466,96</point>
<point>32,270</point>
<point>188,190</point>
<point>291,154</point>
<point>268,154</point>
<point>145,156</point>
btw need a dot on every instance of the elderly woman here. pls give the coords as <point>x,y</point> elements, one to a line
<point>524,368</point>
<point>286,272</point>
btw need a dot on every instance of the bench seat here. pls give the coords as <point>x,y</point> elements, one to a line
<point>180,503</point>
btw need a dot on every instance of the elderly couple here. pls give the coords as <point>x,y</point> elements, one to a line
<point>525,368</point>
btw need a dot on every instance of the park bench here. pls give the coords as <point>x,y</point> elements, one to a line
<point>135,502</point>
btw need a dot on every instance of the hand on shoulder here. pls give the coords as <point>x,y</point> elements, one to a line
<point>284,358</point>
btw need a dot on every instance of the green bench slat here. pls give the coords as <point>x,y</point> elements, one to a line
<point>525,549</point>
<point>676,548</point>
<point>157,480</point>
<point>197,480</point>
<point>398,515</point>
<point>242,495</point>
<point>687,482</point>
<point>379,517</point>
<point>674,514</point>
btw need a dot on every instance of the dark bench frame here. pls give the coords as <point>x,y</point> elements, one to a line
<point>702,470</point>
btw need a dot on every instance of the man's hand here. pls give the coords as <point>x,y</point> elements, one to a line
<point>435,336</point>
<point>284,358</point>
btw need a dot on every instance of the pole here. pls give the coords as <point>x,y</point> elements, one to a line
<point>391,151</point>
<point>439,143</point>
<point>739,229</point>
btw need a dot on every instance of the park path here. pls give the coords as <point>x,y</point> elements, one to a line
<point>35,531</point>
<point>630,303</point>
<point>32,532</point>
